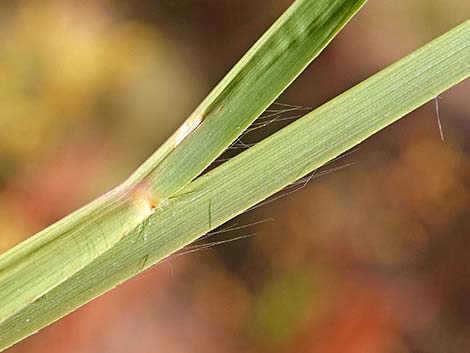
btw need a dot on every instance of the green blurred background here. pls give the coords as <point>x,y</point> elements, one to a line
<point>373,258</point>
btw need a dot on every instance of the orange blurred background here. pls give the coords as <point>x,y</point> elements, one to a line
<point>373,257</point>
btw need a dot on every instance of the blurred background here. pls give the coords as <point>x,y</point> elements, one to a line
<point>373,257</point>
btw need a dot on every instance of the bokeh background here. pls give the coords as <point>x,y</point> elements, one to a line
<point>374,257</point>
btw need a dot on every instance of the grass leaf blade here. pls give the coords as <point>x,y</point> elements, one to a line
<point>259,172</point>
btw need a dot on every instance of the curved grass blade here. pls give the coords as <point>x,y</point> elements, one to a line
<point>39,264</point>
